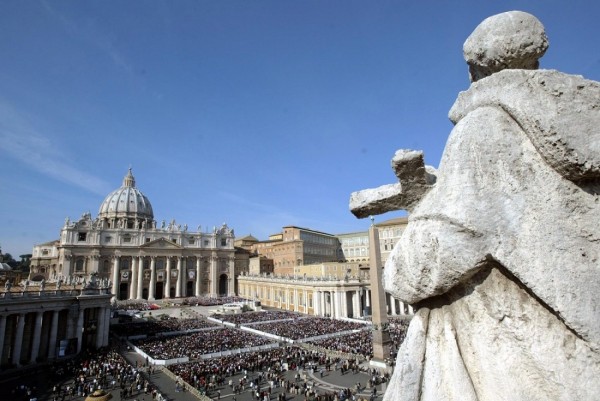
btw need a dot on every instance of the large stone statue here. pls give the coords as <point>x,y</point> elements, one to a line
<point>501,255</point>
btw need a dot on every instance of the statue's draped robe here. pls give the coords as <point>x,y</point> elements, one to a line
<point>502,257</point>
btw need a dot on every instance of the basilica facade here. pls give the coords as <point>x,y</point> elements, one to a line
<point>138,257</point>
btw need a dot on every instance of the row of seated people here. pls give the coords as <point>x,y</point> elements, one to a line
<point>307,327</point>
<point>253,317</point>
<point>361,343</point>
<point>197,344</point>
<point>210,301</point>
<point>154,327</point>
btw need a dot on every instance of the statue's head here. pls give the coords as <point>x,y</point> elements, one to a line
<point>511,40</point>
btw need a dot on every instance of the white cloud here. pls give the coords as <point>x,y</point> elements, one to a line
<point>20,140</point>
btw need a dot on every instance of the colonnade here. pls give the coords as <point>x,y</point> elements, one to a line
<point>51,331</point>
<point>337,299</point>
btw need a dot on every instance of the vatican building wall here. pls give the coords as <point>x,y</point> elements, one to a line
<point>137,257</point>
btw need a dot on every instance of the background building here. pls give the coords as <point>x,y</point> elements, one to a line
<point>141,258</point>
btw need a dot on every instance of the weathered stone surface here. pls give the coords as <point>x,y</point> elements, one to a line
<point>502,255</point>
<point>509,40</point>
<point>415,180</point>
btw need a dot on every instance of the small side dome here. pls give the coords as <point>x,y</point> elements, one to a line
<point>126,202</point>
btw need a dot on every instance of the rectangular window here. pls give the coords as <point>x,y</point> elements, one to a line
<point>127,239</point>
<point>81,236</point>
<point>147,239</point>
<point>191,241</point>
<point>223,242</point>
<point>45,252</point>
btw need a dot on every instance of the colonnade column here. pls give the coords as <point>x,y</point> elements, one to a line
<point>179,277</point>
<point>115,277</point>
<point>355,304</point>
<point>101,327</point>
<point>393,305</point>
<point>107,320</point>
<point>2,333</point>
<point>16,356</point>
<point>79,330</point>
<point>167,290</point>
<point>198,282</point>
<point>140,277</point>
<point>133,278</point>
<point>36,332</point>
<point>305,301</point>
<point>53,334</point>
<point>411,311</point>
<point>152,285</point>
<point>368,298</point>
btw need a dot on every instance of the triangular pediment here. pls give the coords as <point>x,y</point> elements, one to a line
<point>161,243</point>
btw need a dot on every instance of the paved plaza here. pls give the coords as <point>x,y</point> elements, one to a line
<point>39,382</point>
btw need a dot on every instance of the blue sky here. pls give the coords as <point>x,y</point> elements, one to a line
<point>259,114</point>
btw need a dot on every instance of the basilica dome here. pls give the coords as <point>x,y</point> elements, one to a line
<point>126,202</point>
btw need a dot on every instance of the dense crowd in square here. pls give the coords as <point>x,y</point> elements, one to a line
<point>253,317</point>
<point>307,327</point>
<point>197,344</point>
<point>152,328</point>
<point>211,301</point>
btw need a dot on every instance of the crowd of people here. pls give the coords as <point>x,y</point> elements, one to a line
<point>262,373</point>
<point>105,370</point>
<point>253,317</point>
<point>361,343</point>
<point>307,327</point>
<point>197,344</point>
<point>154,327</point>
<point>211,301</point>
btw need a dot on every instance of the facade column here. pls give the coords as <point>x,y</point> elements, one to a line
<point>2,334</point>
<point>324,303</point>
<point>133,280</point>
<point>411,311</point>
<point>213,275</point>
<point>101,327</point>
<point>152,286</point>
<point>198,282</point>
<point>53,335</point>
<point>344,302</point>
<point>179,277</point>
<point>36,332</point>
<point>115,277</point>
<point>393,305</point>
<point>231,277</point>
<point>16,355</point>
<point>66,267</point>
<point>140,277</point>
<point>79,331</point>
<point>168,279</point>
<point>94,263</point>
<point>368,299</point>
<point>402,310</point>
